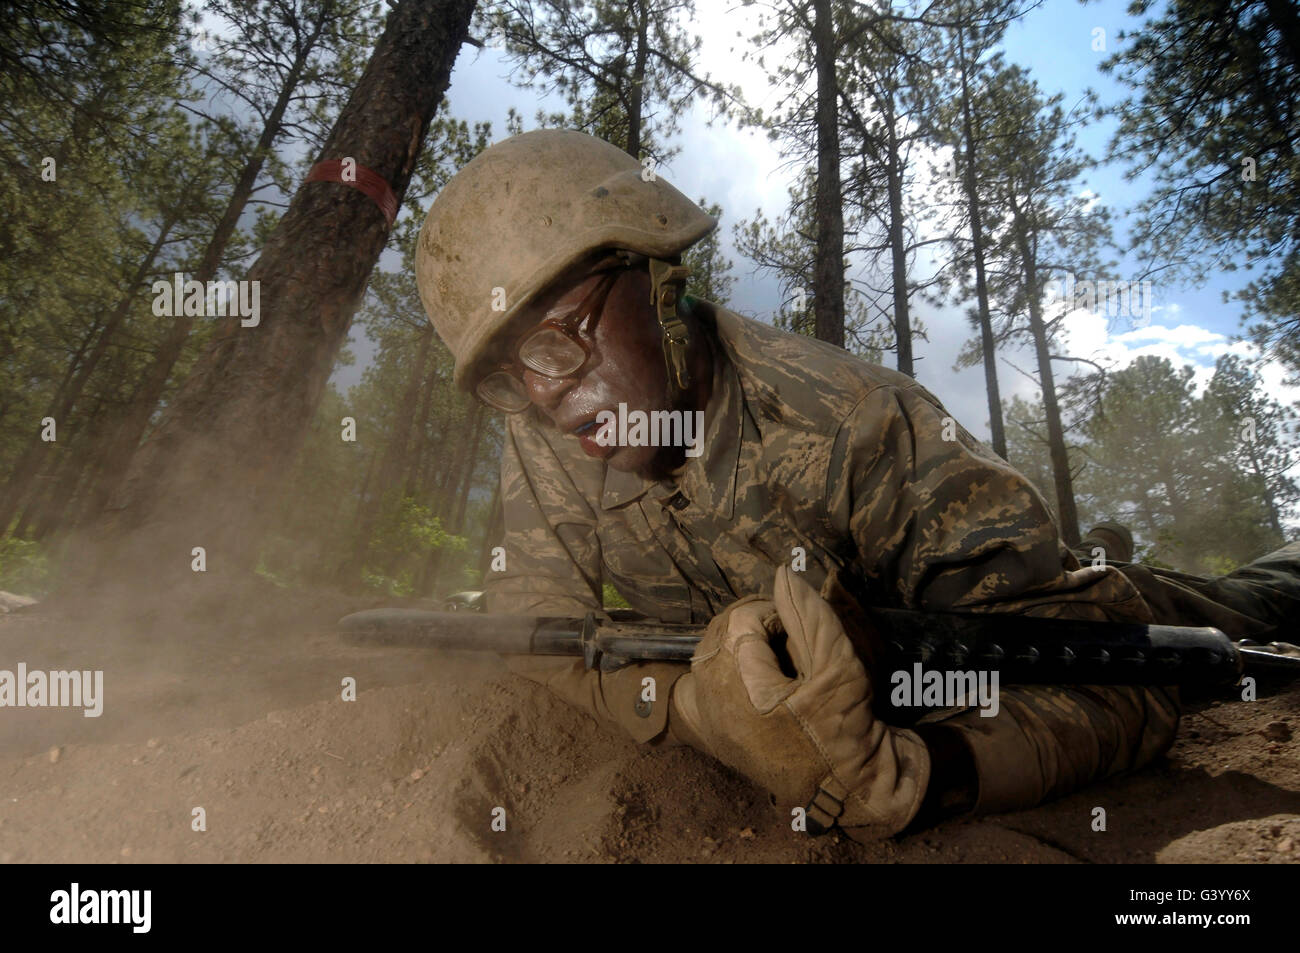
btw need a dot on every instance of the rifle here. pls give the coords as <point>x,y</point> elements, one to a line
<point>1022,649</point>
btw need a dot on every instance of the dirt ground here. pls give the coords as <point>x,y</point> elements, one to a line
<point>235,706</point>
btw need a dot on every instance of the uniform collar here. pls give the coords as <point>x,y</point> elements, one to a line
<point>709,479</point>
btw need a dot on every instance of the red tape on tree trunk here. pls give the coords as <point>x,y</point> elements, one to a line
<point>367,181</point>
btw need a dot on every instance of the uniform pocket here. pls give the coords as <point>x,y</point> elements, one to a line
<point>641,570</point>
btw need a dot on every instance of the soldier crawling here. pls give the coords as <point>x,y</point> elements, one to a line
<point>806,449</point>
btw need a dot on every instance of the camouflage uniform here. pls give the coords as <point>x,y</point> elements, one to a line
<point>810,449</point>
<point>1259,601</point>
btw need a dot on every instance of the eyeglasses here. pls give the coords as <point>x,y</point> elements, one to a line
<point>553,349</point>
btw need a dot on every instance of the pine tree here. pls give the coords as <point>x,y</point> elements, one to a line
<point>709,267</point>
<point>1214,123</point>
<point>1256,438</point>
<point>626,69</point>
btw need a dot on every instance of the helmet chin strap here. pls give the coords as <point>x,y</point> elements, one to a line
<point>664,285</point>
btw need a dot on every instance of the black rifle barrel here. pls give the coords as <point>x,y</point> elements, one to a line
<point>1022,649</point>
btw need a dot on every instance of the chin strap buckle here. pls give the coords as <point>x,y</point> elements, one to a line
<point>664,281</point>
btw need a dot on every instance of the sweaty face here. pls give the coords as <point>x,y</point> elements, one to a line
<point>626,365</point>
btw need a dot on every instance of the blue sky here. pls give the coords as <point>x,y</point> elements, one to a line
<point>1055,44</point>
<point>744,172</point>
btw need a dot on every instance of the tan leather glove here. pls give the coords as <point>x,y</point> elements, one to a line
<point>808,737</point>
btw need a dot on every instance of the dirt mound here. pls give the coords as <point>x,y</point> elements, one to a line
<point>247,721</point>
<point>1268,840</point>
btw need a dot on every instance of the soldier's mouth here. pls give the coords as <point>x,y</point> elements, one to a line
<point>586,433</point>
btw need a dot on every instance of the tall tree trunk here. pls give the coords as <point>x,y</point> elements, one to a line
<point>492,532</point>
<point>365,486</point>
<point>46,514</point>
<point>828,269</point>
<point>898,253</point>
<point>34,452</point>
<point>219,455</point>
<point>1184,532</point>
<point>1270,497</point>
<point>471,462</point>
<point>1177,505</point>
<point>133,424</point>
<point>987,344</point>
<point>412,481</point>
<point>391,467</point>
<point>452,513</point>
<point>90,505</point>
<point>636,94</point>
<point>1061,478</point>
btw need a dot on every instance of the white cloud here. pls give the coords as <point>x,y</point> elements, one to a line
<point>1184,336</point>
<point>1086,335</point>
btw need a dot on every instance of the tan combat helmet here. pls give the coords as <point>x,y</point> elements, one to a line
<point>528,208</point>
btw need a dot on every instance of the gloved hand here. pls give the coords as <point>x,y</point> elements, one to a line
<point>808,736</point>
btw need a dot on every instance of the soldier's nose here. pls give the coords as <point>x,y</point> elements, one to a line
<point>546,392</point>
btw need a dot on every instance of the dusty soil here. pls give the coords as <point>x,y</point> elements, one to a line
<point>235,706</point>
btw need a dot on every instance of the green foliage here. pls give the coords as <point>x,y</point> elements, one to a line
<point>24,567</point>
<point>410,529</point>
<point>154,110</point>
<point>314,528</point>
<point>1219,565</point>
<point>709,267</point>
<point>1254,440</point>
<point>400,587</point>
<point>407,536</point>
<point>270,576</point>
<point>113,186</point>
<point>308,531</point>
<point>627,70</point>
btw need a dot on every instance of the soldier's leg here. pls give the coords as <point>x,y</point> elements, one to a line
<point>1261,600</point>
<point>1267,590</point>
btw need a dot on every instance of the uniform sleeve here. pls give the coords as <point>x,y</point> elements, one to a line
<point>553,568</point>
<point>940,523</point>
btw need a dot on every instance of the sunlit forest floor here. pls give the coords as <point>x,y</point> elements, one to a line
<point>236,707</point>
